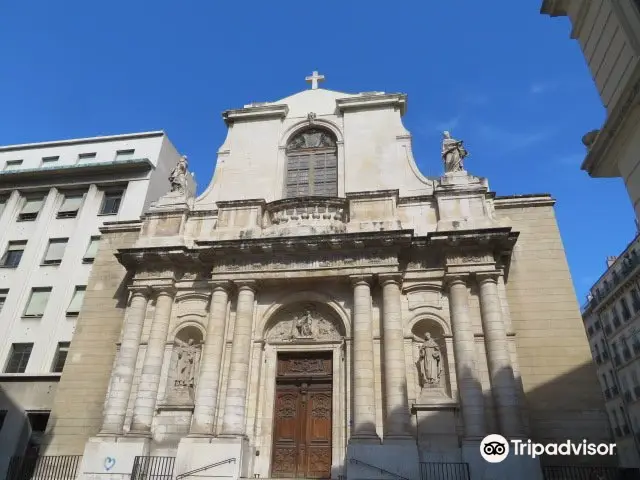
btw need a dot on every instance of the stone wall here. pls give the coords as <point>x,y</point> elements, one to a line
<point>78,406</point>
<point>559,379</point>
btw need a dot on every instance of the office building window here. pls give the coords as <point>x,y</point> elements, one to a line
<point>3,416</point>
<point>13,165</point>
<point>3,203</point>
<point>76,301</point>
<point>55,251</point>
<point>70,206</point>
<point>38,422</point>
<point>92,249</point>
<point>13,255</point>
<point>61,357</point>
<point>86,157</point>
<point>18,357</point>
<point>4,292</point>
<point>37,302</point>
<point>46,161</point>
<point>30,209</point>
<point>111,202</point>
<point>124,154</point>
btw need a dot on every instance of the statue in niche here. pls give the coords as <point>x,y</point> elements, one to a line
<point>178,176</point>
<point>430,363</point>
<point>186,363</point>
<point>453,153</point>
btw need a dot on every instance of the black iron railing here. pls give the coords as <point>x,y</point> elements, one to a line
<point>49,467</point>
<point>583,472</point>
<point>444,471</point>
<point>153,468</point>
<point>381,470</point>
<point>206,467</point>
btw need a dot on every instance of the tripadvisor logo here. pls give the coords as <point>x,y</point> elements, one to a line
<point>495,448</point>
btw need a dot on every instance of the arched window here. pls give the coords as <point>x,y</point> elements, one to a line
<point>312,164</point>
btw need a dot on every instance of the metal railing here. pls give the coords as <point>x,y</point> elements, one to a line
<point>153,468</point>
<point>444,471</point>
<point>49,467</point>
<point>206,467</point>
<point>381,470</point>
<point>587,472</point>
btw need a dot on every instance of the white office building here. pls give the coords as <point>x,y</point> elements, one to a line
<point>54,197</point>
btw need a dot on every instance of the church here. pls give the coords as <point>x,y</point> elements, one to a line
<point>324,310</point>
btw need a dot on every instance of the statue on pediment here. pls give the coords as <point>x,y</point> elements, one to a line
<point>304,324</point>
<point>178,176</point>
<point>453,153</point>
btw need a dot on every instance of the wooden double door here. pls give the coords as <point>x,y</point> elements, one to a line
<point>302,416</point>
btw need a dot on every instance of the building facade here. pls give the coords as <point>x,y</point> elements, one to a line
<point>323,309</point>
<point>608,32</point>
<point>54,197</point>
<point>612,321</point>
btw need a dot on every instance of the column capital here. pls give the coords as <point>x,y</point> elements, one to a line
<point>217,285</point>
<point>360,279</point>
<point>246,285</point>
<point>455,278</point>
<point>140,290</point>
<point>385,278</point>
<point>483,277</point>
<point>167,290</point>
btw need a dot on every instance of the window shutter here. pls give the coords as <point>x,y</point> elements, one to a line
<point>37,302</point>
<point>71,204</point>
<point>55,250</point>
<point>92,249</point>
<point>76,301</point>
<point>32,205</point>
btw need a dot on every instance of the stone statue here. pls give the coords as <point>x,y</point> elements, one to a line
<point>430,362</point>
<point>304,324</point>
<point>186,364</point>
<point>453,153</point>
<point>178,176</point>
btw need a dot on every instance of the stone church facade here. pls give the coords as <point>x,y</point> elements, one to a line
<point>324,310</point>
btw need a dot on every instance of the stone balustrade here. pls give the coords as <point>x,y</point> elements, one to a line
<point>305,216</point>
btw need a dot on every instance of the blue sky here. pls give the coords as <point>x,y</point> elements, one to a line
<point>499,75</point>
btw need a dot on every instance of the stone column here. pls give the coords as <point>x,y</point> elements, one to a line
<point>397,417</point>
<point>364,409</point>
<point>206,399</point>
<point>145,404</point>
<point>503,385</point>
<point>464,349</point>
<point>122,376</point>
<point>233,423</point>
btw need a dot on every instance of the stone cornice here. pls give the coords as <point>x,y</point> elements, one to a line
<point>533,200</point>
<point>255,113</point>
<point>312,243</point>
<point>397,100</point>
<point>554,8</point>
<point>598,152</point>
<point>372,194</point>
<point>121,227</point>
<point>250,202</point>
<point>502,237</point>
<point>159,259</point>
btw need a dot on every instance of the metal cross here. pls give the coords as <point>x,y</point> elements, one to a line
<point>314,79</point>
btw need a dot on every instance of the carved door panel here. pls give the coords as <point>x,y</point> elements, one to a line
<point>317,444</point>
<point>302,431</point>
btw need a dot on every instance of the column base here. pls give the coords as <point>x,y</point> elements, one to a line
<point>231,456</point>
<point>514,466</point>
<point>398,458</point>
<point>111,457</point>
